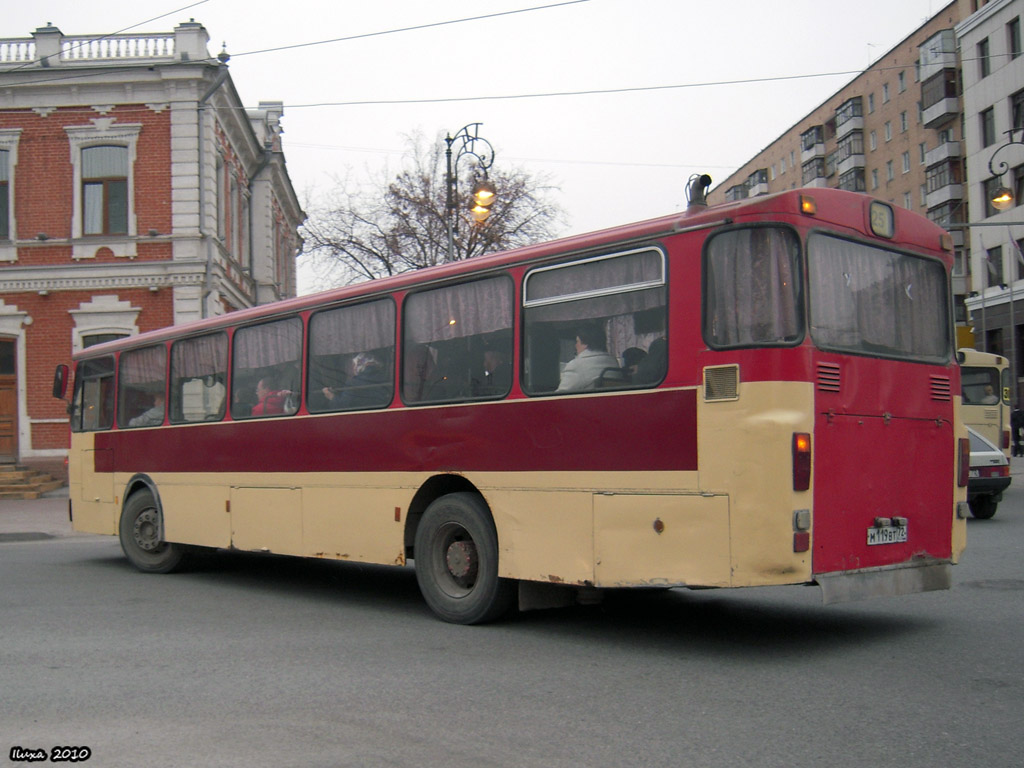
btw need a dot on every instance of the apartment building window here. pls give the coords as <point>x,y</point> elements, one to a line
<point>813,169</point>
<point>105,190</point>
<point>851,144</point>
<point>889,176</point>
<point>5,221</point>
<point>885,93</point>
<point>871,103</point>
<point>923,150</point>
<point>987,119</point>
<point>984,62</point>
<point>903,122</point>
<point>873,140</point>
<point>994,264</point>
<point>888,131</point>
<point>943,175</point>
<point>941,86</point>
<point>906,162</point>
<point>1013,38</point>
<point>849,109</point>
<point>852,180</point>
<point>1017,109</point>
<point>907,201</point>
<point>902,78</point>
<point>1018,184</point>
<point>874,178</point>
<point>923,195</point>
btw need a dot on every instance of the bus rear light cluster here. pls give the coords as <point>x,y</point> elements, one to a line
<point>964,462</point>
<point>801,530</point>
<point>801,461</point>
<point>1006,439</point>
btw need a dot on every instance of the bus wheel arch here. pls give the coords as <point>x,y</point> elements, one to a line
<point>140,529</point>
<point>456,557</point>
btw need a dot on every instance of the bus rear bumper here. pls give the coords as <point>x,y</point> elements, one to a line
<point>903,579</point>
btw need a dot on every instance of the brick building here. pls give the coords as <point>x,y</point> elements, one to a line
<point>136,192</point>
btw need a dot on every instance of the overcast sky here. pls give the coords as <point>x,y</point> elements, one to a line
<point>749,70</point>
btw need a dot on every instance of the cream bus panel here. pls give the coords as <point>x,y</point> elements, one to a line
<point>195,514</point>
<point>661,540</point>
<point>267,520</point>
<point>355,523</point>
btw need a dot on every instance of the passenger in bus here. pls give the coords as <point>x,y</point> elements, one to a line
<point>369,386</point>
<point>271,400</point>
<point>583,371</point>
<point>990,397</point>
<point>497,374</point>
<point>651,369</point>
<point>152,416</point>
<point>631,360</point>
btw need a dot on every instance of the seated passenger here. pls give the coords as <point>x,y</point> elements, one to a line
<point>369,386</point>
<point>153,416</point>
<point>583,371</point>
<point>651,369</point>
<point>271,400</point>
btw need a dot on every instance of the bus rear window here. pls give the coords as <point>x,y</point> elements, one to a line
<point>752,294</point>
<point>872,301</point>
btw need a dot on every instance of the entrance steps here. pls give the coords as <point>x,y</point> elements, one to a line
<point>18,482</point>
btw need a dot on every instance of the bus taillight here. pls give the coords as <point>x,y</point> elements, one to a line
<point>1006,439</point>
<point>801,461</point>
<point>965,462</point>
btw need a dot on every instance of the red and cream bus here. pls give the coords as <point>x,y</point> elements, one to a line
<point>758,393</point>
<point>986,389</point>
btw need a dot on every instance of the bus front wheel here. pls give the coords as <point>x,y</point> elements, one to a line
<point>140,536</point>
<point>457,561</point>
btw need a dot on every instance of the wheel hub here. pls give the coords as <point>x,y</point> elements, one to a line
<point>461,559</point>
<point>146,530</point>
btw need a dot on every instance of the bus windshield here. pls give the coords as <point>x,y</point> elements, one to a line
<point>871,301</point>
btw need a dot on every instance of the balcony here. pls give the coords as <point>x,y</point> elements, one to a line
<point>943,112</point>
<point>948,193</point>
<point>850,162</point>
<point>948,150</point>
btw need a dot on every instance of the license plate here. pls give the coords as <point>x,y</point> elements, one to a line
<point>888,535</point>
<point>974,473</point>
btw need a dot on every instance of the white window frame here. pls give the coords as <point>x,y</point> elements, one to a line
<point>9,138</point>
<point>102,132</point>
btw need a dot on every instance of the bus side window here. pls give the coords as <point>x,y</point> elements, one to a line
<point>266,369</point>
<point>198,375</point>
<point>142,387</point>
<point>447,332</point>
<point>599,323</point>
<point>351,357</point>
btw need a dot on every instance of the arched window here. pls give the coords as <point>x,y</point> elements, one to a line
<point>105,190</point>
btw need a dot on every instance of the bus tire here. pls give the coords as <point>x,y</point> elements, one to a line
<point>456,558</point>
<point>983,507</point>
<point>139,533</point>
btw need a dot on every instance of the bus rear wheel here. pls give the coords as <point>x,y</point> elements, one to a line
<point>139,531</point>
<point>457,561</point>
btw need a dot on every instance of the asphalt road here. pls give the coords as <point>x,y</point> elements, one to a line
<point>266,661</point>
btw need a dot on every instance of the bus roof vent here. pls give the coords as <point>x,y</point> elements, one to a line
<point>941,389</point>
<point>829,378</point>
<point>722,382</point>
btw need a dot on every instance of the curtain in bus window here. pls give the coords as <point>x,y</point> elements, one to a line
<point>266,360</point>
<point>198,378</point>
<point>752,294</point>
<point>874,301</point>
<point>351,357</point>
<point>619,275</point>
<point>448,333</point>
<point>142,387</point>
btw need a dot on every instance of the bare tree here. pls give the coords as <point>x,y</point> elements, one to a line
<point>401,226</point>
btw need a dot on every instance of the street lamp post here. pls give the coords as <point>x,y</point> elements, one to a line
<point>470,142</point>
<point>1003,200</point>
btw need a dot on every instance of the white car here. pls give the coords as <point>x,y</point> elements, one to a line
<point>989,476</point>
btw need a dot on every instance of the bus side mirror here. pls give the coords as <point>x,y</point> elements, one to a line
<point>60,382</point>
